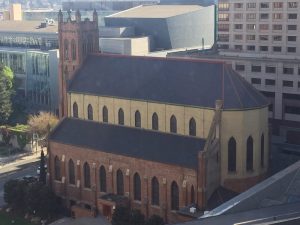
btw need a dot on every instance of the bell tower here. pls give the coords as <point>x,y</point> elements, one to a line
<point>77,38</point>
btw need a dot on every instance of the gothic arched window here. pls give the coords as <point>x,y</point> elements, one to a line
<point>73,49</point>
<point>262,151</point>
<point>137,187</point>
<point>105,114</point>
<point>155,122</point>
<point>75,110</point>
<point>155,191</point>
<point>71,172</point>
<point>192,127</point>
<point>102,179</point>
<point>249,161</point>
<point>87,175</point>
<point>137,119</point>
<point>192,195</point>
<point>66,49</point>
<point>174,196</point>
<point>173,124</point>
<point>231,155</point>
<point>121,116</point>
<point>90,112</point>
<point>57,174</point>
<point>120,183</point>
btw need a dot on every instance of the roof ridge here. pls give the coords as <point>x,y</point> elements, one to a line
<point>229,73</point>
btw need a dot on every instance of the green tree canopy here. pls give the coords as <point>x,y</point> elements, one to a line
<point>6,93</point>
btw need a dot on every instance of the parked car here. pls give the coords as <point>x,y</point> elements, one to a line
<point>30,179</point>
<point>38,171</point>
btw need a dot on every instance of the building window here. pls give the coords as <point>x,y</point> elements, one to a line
<point>263,37</point>
<point>264,48</point>
<point>120,183</point>
<point>71,172</point>
<point>155,191</point>
<point>291,49</point>
<point>192,127</point>
<point>66,49</point>
<point>251,47</point>
<point>137,187</point>
<point>249,160</point>
<point>287,83</point>
<point>223,17</point>
<point>90,112</point>
<point>75,110</point>
<point>223,37</point>
<point>238,47</point>
<point>155,122</point>
<point>251,5</point>
<point>262,150</point>
<point>292,27</point>
<point>270,69</point>
<point>264,5</point>
<point>57,174</point>
<point>238,26</point>
<point>239,67</point>
<point>231,155</point>
<point>263,26</point>
<point>264,16</point>
<point>288,70</point>
<point>292,5</point>
<point>292,109</point>
<point>238,16</point>
<point>87,175</point>
<point>238,5</point>
<point>270,82</point>
<point>255,80</point>
<point>105,114</point>
<point>277,5</point>
<point>276,49</point>
<point>256,69</point>
<point>292,16</point>
<point>277,27</point>
<point>173,124</point>
<point>121,116</point>
<point>238,37</point>
<point>192,195</point>
<point>292,38</point>
<point>251,37</point>
<point>73,49</point>
<point>137,119</point>
<point>277,16</point>
<point>174,196</point>
<point>223,27</point>
<point>223,6</point>
<point>102,179</point>
<point>251,16</point>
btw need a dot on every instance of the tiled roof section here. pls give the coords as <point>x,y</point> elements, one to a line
<point>172,80</point>
<point>128,141</point>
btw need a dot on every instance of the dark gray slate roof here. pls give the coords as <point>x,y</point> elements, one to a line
<point>176,81</point>
<point>128,141</point>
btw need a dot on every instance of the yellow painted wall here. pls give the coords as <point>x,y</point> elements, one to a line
<point>237,124</point>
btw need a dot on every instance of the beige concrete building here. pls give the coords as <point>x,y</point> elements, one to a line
<point>261,41</point>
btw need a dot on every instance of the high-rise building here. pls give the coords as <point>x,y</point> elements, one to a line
<point>262,41</point>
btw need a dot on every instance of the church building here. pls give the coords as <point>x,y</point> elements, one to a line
<point>156,134</point>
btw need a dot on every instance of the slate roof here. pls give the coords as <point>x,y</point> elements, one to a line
<point>128,141</point>
<point>169,80</point>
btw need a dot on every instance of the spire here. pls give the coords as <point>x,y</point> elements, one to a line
<point>78,16</point>
<point>95,16</point>
<point>69,16</point>
<point>60,16</point>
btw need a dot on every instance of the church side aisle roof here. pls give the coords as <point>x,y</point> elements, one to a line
<point>128,141</point>
<point>172,80</point>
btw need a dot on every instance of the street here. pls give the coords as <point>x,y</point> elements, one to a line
<point>15,170</point>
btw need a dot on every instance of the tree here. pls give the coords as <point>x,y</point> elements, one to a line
<point>42,123</point>
<point>5,98</point>
<point>42,177</point>
<point>155,220</point>
<point>121,216</point>
<point>136,218</point>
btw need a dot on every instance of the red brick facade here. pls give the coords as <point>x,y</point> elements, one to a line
<point>166,174</point>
